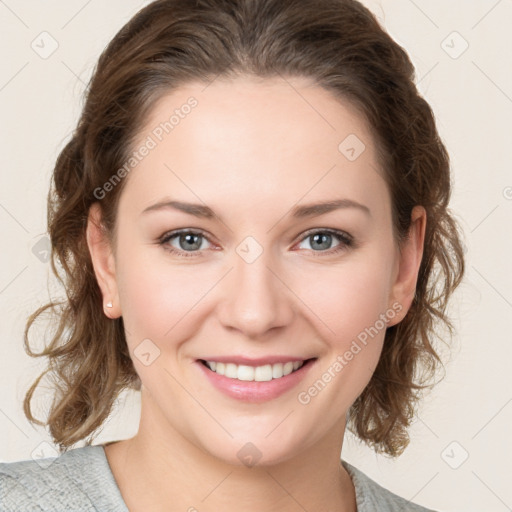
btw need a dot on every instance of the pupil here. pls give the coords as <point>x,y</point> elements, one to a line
<point>188,238</point>
<point>321,236</point>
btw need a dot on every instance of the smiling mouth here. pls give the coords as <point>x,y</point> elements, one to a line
<point>262,373</point>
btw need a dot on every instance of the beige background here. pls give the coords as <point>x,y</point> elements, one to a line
<point>470,412</point>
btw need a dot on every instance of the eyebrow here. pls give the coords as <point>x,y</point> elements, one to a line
<point>308,210</point>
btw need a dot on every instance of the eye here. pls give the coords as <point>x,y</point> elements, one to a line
<point>186,239</point>
<point>322,238</point>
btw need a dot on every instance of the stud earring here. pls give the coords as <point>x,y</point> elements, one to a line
<point>109,305</point>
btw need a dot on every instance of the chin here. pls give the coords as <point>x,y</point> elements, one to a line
<point>259,452</point>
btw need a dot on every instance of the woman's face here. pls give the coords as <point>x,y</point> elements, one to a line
<point>258,276</point>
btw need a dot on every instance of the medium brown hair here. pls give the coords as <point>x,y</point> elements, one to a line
<point>341,46</point>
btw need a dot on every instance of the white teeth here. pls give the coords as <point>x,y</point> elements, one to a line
<point>242,372</point>
<point>277,370</point>
<point>231,371</point>
<point>263,373</point>
<point>254,373</point>
<point>287,368</point>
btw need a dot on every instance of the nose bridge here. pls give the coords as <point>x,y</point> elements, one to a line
<point>258,300</point>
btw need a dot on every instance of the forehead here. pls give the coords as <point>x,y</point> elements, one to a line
<point>256,140</point>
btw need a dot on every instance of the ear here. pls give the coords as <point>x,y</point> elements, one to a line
<point>408,265</point>
<point>102,256</point>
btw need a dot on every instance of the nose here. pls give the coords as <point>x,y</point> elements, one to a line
<point>257,298</point>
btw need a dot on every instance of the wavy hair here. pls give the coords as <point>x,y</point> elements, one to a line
<point>342,47</point>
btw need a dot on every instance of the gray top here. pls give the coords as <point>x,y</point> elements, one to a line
<point>80,480</point>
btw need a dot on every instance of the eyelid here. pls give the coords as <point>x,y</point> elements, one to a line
<point>337,232</point>
<point>169,235</point>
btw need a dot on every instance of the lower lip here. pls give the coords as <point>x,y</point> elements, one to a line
<point>252,391</point>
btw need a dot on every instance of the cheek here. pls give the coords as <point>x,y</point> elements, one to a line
<point>159,297</point>
<point>348,299</point>
<point>351,308</point>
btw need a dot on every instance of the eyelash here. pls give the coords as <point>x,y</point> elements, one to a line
<point>346,240</point>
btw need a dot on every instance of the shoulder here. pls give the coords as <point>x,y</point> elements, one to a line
<point>372,497</point>
<point>79,480</point>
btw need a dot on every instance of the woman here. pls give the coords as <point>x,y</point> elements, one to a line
<point>252,217</point>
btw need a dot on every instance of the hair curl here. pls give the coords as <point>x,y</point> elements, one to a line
<point>341,46</point>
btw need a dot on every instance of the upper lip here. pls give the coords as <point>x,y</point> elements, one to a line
<point>256,361</point>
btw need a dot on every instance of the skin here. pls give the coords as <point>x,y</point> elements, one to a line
<point>251,150</point>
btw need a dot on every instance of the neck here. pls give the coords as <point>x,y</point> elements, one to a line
<point>159,467</point>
